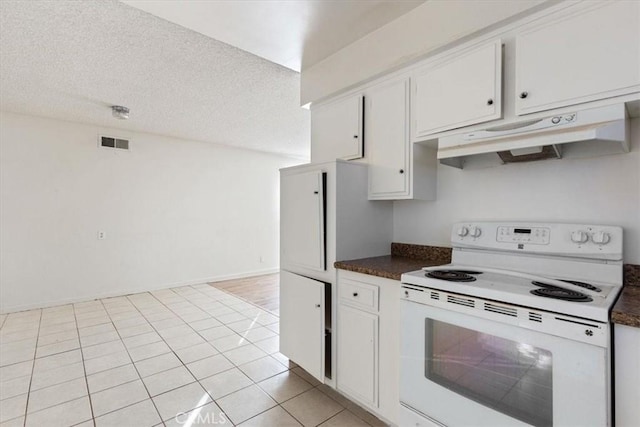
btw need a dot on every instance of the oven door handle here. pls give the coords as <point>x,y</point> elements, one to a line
<point>558,283</point>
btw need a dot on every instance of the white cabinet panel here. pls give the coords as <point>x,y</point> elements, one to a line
<point>459,92</point>
<point>387,131</point>
<point>359,294</point>
<point>302,214</point>
<point>584,56</point>
<point>302,322</point>
<point>336,130</point>
<point>358,324</point>
<point>358,354</point>
<point>627,371</point>
<point>398,169</point>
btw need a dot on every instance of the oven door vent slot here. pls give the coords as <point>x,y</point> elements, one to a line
<point>461,301</point>
<point>507,311</point>
<point>435,295</point>
<point>535,317</point>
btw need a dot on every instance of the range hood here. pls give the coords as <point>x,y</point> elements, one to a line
<point>584,133</point>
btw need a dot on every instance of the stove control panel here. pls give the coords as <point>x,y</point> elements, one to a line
<point>576,240</point>
<point>530,235</point>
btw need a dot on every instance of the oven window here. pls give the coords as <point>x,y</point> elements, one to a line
<point>511,377</point>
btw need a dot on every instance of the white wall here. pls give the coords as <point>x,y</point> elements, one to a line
<point>427,28</point>
<point>174,212</point>
<point>601,190</point>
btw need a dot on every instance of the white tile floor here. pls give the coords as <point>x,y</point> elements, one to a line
<point>192,355</point>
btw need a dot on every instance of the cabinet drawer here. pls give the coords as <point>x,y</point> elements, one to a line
<point>359,294</point>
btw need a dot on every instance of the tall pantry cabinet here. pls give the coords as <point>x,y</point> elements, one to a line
<point>325,215</point>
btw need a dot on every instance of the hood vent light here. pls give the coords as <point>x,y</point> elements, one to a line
<point>530,154</point>
<point>585,133</point>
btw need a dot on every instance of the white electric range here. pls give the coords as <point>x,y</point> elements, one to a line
<point>515,331</point>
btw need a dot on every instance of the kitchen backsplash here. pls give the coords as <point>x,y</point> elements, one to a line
<point>632,275</point>
<point>421,252</point>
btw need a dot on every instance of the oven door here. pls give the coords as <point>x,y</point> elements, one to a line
<point>467,370</point>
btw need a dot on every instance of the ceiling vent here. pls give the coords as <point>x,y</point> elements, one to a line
<point>113,142</point>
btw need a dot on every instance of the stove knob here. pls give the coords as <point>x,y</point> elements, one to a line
<point>579,237</point>
<point>475,232</point>
<point>462,231</point>
<point>600,237</point>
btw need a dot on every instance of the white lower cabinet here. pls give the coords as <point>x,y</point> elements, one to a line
<point>358,354</point>
<point>368,345</point>
<point>302,322</point>
<point>627,375</point>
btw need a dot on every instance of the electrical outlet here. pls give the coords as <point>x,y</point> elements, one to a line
<point>102,235</point>
<point>261,260</point>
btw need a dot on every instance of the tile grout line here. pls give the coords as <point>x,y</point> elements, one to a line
<point>84,368</point>
<point>344,408</point>
<point>224,324</point>
<point>4,319</point>
<point>33,366</point>
<point>278,404</point>
<point>194,330</point>
<point>132,363</point>
<point>221,353</point>
<point>333,416</point>
<point>187,324</point>
<point>178,357</point>
<point>188,304</point>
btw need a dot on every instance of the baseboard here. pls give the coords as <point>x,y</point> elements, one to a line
<point>116,293</point>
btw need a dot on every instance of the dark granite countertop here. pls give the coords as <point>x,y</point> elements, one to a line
<point>403,258</point>
<point>626,311</point>
<point>389,266</point>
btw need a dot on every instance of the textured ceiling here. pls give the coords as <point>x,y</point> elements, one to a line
<point>72,60</point>
<point>296,34</point>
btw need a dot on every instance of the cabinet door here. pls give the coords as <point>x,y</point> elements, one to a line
<point>336,130</point>
<point>579,58</point>
<point>387,132</point>
<point>302,219</point>
<point>627,363</point>
<point>358,354</point>
<point>463,91</point>
<point>302,322</point>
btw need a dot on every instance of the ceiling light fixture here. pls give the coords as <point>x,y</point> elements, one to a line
<point>120,112</point>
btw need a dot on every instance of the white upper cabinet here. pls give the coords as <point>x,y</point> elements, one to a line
<point>461,91</point>
<point>398,169</point>
<point>388,145</point>
<point>336,130</point>
<point>302,209</point>
<point>583,56</point>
